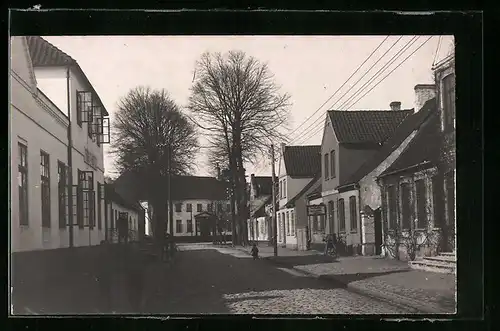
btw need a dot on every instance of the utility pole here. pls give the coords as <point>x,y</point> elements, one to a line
<point>275,223</point>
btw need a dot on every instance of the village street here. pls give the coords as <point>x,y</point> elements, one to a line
<point>208,279</point>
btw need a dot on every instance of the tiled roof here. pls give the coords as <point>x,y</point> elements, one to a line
<point>366,126</point>
<point>182,187</point>
<point>44,53</point>
<point>303,192</point>
<point>264,185</point>
<point>424,148</point>
<point>302,161</point>
<point>409,124</point>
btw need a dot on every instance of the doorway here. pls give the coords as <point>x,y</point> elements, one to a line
<point>377,215</point>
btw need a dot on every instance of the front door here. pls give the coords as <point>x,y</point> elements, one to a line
<point>378,231</point>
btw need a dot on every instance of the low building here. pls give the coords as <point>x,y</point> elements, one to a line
<point>58,126</point>
<point>299,168</point>
<point>116,206</point>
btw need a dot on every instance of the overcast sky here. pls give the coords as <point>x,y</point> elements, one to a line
<point>309,68</point>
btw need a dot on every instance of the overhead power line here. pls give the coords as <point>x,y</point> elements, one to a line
<point>352,86</point>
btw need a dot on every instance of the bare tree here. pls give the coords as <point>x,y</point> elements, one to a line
<point>236,102</point>
<point>153,138</point>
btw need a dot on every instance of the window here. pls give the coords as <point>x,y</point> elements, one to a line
<point>287,223</point>
<point>209,207</point>
<point>23,184</point>
<point>189,207</point>
<point>450,197</point>
<point>292,221</point>
<point>178,207</point>
<point>189,226</point>
<point>45,186</point>
<point>99,208</point>
<point>281,189</point>
<point>341,212</point>
<point>199,208</point>
<point>62,187</point>
<point>332,163</point>
<point>392,204</point>
<point>84,107</point>
<point>449,102</point>
<point>86,199</point>
<point>178,226</point>
<point>438,200</point>
<point>406,212</point>
<point>326,166</point>
<point>421,204</point>
<point>331,210</point>
<point>284,188</point>
<point>353,213</point>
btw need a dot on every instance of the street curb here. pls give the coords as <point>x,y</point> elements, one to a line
<point>392,298</point>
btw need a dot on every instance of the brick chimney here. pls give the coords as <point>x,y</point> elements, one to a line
<point>395,105</point>
<point>423,93</point>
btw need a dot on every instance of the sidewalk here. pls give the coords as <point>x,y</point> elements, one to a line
<point>385,279</point>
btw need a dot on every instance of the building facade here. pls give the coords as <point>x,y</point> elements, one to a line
<point>56,150</point>
<point>260,222</point>
<point>299,166</point>
<point>350,138</point>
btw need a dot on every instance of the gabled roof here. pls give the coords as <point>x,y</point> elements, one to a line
<point>366,126</point>
<point>44,54</point>
<point>182,187</point>
<point>409,124</point>
<point>302,192</point>
<point>302,161</point>
<point>424,149</point>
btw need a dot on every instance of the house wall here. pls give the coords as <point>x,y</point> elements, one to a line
<point>371,195</point>
<point>184,215</point>
<point>287,236</point>
<point>258,229</point>
<point>351,236</point>
<point>329,143</point>
<point>351,159</point>
<point>37,122</point>
<point>293,186</point>
<point>428,237</point>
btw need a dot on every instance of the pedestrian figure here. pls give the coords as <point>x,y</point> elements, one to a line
<point>255,252</point>
<point>103,278</point>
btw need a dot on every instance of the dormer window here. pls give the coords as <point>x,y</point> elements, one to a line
<point>448,97</point>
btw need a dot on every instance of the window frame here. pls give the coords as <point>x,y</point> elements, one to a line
<point>189,226</point>
<point>406,219</point>
<point>421,211</point>
<point>178,226</point>
<point>189,207</point>
<point>326,166</point>
<point>333,168</point>
<point>80,103</point>
<point>392,207</point>
<point>341,215</point>
<point>62,183</point>
<point>199,207</point>
<point>45,189</point>
<point>23,189</point>
<point>178,207</point>
<point>353,213</point>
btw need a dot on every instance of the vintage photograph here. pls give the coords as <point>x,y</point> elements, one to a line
<point>195,175</point>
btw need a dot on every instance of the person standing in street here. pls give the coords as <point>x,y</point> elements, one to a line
<point>255,251</point>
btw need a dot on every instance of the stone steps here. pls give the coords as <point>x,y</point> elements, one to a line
<point>433,266</point>
<point>443,263</point>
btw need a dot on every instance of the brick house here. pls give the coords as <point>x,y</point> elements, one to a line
<point>364,180</point>
<point>350,138</point>
<point>298,169</point>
